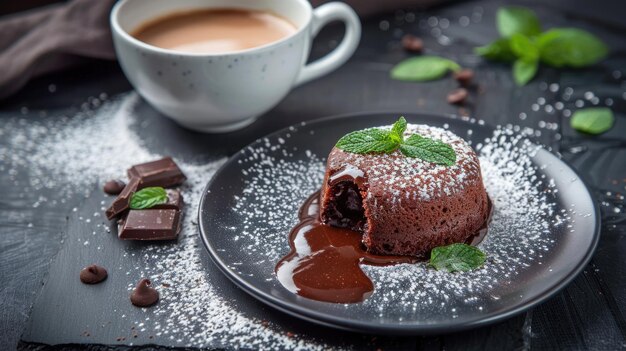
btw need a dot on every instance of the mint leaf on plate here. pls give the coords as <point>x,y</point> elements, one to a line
<point>365,141</point>
<point>456,258</point>
<point>499,50</point>
<point>570,47</point>
<point>524,70</point>
<point>148,197</point>
<point>435,151</point>
<point>593,120</point>
<point>423,68</point>
<point>515,19</point>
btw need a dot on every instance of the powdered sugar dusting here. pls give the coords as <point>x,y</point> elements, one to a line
<point>194,312</point>
<point>101,143</point>
<point>518,234</point>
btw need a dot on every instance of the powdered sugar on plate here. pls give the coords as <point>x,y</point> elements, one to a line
<point>277,183</point>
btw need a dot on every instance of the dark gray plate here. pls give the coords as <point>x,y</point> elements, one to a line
<point>246,236</point>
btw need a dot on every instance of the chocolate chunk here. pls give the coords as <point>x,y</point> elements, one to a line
<point>163,173</point>
<point>412,43</point>
<point>464,76</point>
<point>113,186</point>
<point>174,201</point>
<point>144,294</point>
<point>93,274</point>
<point>122,201</point>
<point>457,96</point>
<point>150,224</point>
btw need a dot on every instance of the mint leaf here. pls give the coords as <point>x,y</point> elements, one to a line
<point>570,47</point>
<point>593,120</point>
<point>525,67</point>
<point>515,19</point>
<point>499,50</point>
<point>435,151</point>
<point>456,258</point>
<point>524,47</point>
<point>397,130</point>
<point>524,70</point>
<point>148,197</point>
<point>423,68</point>
<point>365,141</point>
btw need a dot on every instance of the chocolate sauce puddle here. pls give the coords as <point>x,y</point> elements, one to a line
<point>324,261</point>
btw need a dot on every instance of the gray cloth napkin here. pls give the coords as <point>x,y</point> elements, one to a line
<point>52,38</point>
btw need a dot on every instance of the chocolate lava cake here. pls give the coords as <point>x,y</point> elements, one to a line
<point>402,205</point>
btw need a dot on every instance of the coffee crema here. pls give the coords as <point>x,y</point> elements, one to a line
<point>214,31</point>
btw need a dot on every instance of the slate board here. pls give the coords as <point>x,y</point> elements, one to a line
<point>588,314</point>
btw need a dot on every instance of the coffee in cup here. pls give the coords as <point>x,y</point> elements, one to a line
<point>214,31</point>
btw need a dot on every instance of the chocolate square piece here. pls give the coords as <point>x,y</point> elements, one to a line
<point>150,224</point>
<point>174,201</point>
<point>122,201</point>
<point>163,172</point>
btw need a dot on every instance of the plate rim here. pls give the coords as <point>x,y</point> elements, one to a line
<point>390,329</point>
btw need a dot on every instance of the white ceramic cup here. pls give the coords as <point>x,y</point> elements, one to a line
<point>227,91</point>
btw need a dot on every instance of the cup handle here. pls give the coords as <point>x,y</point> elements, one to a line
<point>334,11</point>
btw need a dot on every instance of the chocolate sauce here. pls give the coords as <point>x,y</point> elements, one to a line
<point>324,261</point>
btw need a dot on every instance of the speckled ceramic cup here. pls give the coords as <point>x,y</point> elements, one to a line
<point>227,91</point>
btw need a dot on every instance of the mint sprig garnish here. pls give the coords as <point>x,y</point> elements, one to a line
<point>523,43</point>
<point>456,258</point>
<point>593,120</point>
<point>148,197</point>
<point>375,140</point>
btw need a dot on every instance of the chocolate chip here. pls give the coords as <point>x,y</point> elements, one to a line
<point>144,294</point>
<point>412,43</point>
<point>93,274</point>
<point>457,96</point>
<point>464,76</point>
<point>113,186</point>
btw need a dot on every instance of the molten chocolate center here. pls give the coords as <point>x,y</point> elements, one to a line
<point>324,262</point>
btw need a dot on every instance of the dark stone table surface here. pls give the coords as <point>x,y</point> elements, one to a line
<point>589,314</point>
